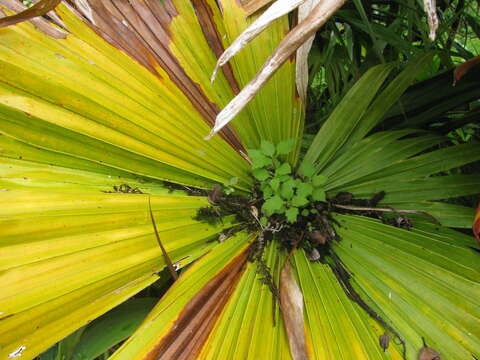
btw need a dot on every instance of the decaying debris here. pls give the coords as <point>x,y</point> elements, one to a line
<point>39,9</point>
<point>384,341</point>
<point>35,16</point>
<point>215,195</point>
<point>427,353</point>
<point>125,189</point>
<point>223,205</point>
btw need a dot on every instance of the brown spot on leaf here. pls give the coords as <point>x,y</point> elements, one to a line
<point>196,321</point>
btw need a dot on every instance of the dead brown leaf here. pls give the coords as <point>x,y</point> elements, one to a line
<point>292,41</point>
<point>277,10</point>
<point>301,73</point>
<point>39,22</point>
<point>39,9</point>
<point>462,69</point>
<point>291,300</point>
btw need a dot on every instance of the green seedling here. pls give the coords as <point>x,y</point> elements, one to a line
<point>285,192</point>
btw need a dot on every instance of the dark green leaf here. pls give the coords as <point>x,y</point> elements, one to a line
<point>112,328</point>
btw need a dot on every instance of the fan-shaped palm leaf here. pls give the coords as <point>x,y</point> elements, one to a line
<point>93,124</point>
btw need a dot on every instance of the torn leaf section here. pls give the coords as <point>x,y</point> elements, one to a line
<point>291,299</point>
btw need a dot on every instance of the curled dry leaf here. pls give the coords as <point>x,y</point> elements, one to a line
<point>39,9</point>
<point>291,300</point>
<point>476,224</point>
<point>301,65</point>
<point>39,22</point>
<point>430,9</point>
<point>278,9</point>
<point>292,41</point>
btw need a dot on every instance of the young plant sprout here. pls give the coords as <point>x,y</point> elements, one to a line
<point>285,193</point>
